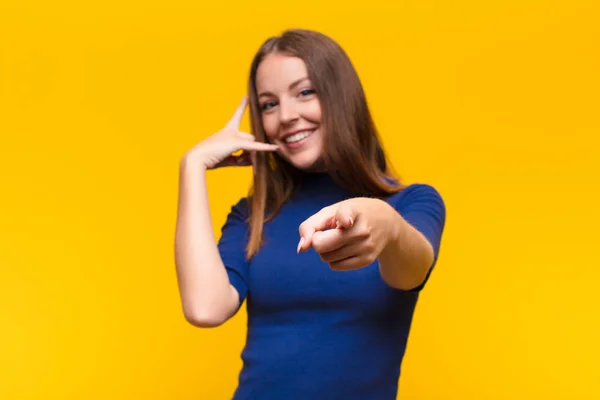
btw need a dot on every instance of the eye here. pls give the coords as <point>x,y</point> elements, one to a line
<point>267,105</point>
<point>307,92</point>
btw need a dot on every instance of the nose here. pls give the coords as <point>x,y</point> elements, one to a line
<point>288,112</point>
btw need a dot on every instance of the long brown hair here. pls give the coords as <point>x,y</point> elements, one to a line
<point>352,153</point>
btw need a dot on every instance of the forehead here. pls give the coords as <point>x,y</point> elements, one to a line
<point>277,71</point>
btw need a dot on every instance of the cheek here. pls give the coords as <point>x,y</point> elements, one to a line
<point>315,111</point>
<point>270,125</point>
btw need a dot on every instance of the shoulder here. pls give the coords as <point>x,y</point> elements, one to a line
<point>242,204</point>
<point>240,210</point>
<point>418,196</point>
<point>417,192</point>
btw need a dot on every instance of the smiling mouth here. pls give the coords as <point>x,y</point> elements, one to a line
<point>296,137</point>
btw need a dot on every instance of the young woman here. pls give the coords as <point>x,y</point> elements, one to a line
<point>329,250</point>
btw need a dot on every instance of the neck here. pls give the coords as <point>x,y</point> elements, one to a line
<point>316,168</point>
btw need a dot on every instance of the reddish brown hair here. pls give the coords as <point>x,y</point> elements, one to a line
<point>352,153</point>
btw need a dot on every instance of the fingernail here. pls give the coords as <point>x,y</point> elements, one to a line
<point>300,245</point>
<point>351,221</point>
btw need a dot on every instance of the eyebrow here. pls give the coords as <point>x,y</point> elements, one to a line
<point>293,85</point>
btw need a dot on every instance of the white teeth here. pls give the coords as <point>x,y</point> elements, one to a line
<point>298,136</point>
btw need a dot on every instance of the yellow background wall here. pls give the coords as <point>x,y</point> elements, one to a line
<point>496,103</point>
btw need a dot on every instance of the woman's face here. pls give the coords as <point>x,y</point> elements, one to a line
<point>290,110</point>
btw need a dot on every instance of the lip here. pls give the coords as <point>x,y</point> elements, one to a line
<point>288,134</point>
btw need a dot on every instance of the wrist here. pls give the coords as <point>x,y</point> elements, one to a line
<point>395,225</point>
<point>193,162</point>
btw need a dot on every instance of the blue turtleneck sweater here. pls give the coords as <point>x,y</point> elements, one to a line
<point>314,333</point>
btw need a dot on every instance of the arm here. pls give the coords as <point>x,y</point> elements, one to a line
<point>207,297</point>
<point>403,235</point>
<point>407,257</point>
<point>418,216</point>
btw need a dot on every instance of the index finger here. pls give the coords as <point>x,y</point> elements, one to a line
<point>235,121</point>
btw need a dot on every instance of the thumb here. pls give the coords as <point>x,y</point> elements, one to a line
<point>344,217</point>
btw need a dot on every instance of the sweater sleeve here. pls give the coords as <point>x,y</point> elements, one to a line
<point>232,247</point>
<point>423,208</point>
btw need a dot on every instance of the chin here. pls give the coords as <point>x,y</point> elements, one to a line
<point>308,164</point>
